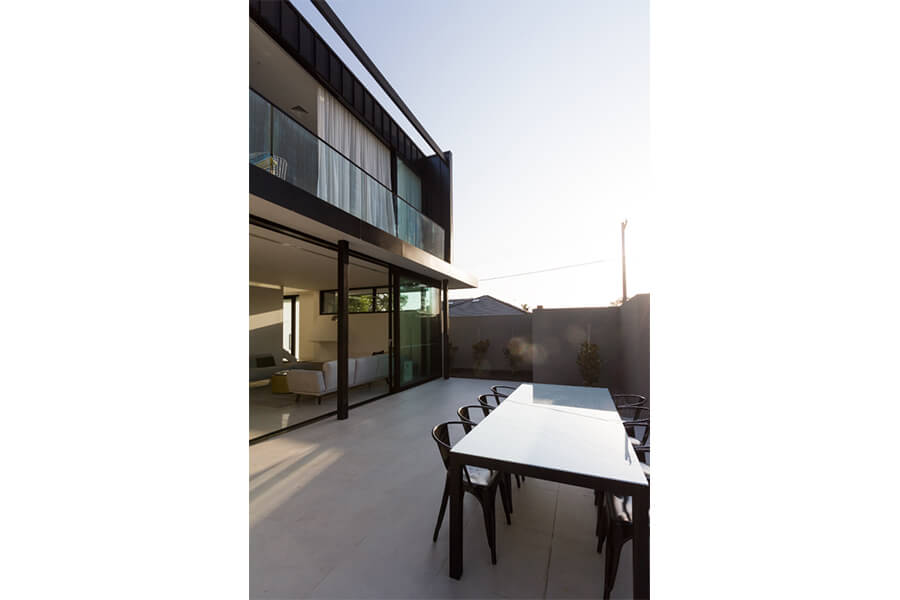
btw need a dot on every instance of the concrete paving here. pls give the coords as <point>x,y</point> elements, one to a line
<point>346,509</point>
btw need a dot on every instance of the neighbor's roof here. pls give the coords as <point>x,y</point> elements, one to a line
<point>483,306</point>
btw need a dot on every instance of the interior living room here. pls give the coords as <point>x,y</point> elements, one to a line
<point>293,331</point>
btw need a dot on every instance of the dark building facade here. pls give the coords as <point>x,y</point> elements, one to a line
<point>330,169</point>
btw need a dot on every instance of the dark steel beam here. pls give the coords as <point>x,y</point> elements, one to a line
<point>363,58</point>
<point>343,322</point>
<point>445,327</point>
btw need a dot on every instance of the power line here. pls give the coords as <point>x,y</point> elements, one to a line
<point>593,262</point>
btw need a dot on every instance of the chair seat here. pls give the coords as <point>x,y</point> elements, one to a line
<point>621,508</point>
<point>480,475</point>
<point>646,469</point>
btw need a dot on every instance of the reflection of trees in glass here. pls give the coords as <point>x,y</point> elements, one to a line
<point>360,302</point>
<point>383,300</point>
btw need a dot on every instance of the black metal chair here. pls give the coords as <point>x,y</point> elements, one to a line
<point>469,421</point>
<point>483,399</point>
<point>629,402</point>
<point>642,439</point>
<point>495,389</point>
<point>481,483</point>
<point>615,527</point>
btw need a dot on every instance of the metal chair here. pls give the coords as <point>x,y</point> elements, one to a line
<point>483,400</point>
<point>615,526</point>
<point>626,402</point>
<point>469,422</point>
<point>495,388</point>
<point>465,414</point>
<point>481,483</point>
<point>642,440</point>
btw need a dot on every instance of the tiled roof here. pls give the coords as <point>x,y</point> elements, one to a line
<point>483,306</point>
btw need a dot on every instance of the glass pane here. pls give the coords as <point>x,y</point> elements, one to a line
<point>260,132</point>
<point>420,331</point>
<point>329,303</point>
<point>383,300</point>
<point>286,149</point>
<point>295,153</point>
<point>287,322</point>
<point>409,186</point>
<point>360,301</point>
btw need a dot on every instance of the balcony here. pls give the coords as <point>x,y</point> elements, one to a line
<point>286,149</point>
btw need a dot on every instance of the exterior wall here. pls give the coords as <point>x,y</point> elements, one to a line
<point>558,335</point>
<point>622,335</point>
<point>466,331</point>
<point>265,321</point>
<point>635,343</point>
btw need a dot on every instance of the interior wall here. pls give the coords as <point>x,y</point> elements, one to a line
<point>265,321</point>
<point>318,333</point>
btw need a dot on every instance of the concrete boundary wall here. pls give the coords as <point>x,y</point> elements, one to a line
<point>553,338</point>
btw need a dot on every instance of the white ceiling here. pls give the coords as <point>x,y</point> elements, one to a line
<point>277,259</point>
<point>278,77</point>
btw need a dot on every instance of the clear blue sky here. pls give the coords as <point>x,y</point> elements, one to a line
<point>546,109</point>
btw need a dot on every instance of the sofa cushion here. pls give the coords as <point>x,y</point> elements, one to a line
<point>366,368</point>
<point>329,370</point>
<point>302,381</point>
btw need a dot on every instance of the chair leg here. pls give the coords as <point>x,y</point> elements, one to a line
<point>505,496</point>
<point>509,491</point>
<point>613,550</point>
<point>518,482</point>
<point>437,528</point>
<point>487,507</point>
<point>602,525</point>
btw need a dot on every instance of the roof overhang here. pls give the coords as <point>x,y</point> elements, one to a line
<point>407,257</point>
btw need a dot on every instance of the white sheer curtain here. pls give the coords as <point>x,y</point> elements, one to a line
<point>343,184</point>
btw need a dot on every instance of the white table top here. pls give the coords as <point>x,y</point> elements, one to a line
<point>565,428</point>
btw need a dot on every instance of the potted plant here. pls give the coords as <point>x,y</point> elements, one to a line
<point>589,364</point>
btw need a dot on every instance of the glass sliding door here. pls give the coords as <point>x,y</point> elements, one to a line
<point>420,331</point>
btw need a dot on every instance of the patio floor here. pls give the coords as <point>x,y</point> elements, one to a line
<point>346,509</point>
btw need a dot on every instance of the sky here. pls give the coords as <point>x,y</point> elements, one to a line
<point>546,110</point>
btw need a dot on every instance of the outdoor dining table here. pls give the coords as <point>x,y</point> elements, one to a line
<point>568,434</point>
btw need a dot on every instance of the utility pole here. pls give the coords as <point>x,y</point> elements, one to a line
<point>624,289</point>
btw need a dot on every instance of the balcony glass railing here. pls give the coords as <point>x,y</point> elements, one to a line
<point>289,151</point>
<point>415,228</point>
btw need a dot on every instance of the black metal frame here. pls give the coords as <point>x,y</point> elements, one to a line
<point>343,330</point>
<point>293,298</point>
<point>640,498</point>
<point>356,312</point>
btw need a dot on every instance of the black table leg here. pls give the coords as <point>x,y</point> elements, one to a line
<point>641,549</point>
<point>454,477</point>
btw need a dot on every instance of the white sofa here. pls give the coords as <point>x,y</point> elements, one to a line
<point>305,382</point>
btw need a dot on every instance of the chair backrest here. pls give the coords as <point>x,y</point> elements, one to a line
<point>628,405</point>
<point>483,400</point>
<point>466,417</point>
<point>508,389</point>
<point>441,435</point>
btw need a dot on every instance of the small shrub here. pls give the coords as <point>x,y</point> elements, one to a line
<point>479,351</point>
<point>589,364</point>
